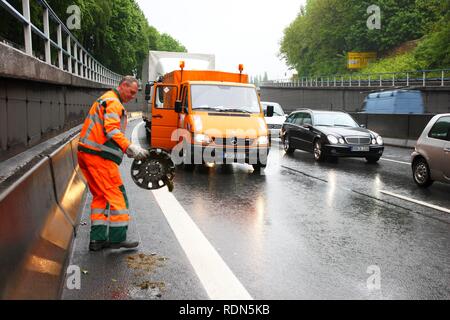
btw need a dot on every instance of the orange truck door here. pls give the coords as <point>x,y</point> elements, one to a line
<point>164,117</point>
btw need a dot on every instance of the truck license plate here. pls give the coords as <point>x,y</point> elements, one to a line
<point>360,148</point>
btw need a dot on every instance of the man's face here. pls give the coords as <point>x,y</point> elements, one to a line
<point>128,91</point>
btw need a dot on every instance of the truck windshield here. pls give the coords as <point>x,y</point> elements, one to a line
<point>224,98</point>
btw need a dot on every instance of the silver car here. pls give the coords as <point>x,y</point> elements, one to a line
<point>431,157</point>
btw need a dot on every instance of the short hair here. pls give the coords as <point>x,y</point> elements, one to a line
<point>129,80</point>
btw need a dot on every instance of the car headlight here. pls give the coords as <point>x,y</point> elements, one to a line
<point>374,141</point>
<point>332,139</point>
<point>341,141</point>
<point>380,140</point>
<point>202,138</point>
<point>263,140</point>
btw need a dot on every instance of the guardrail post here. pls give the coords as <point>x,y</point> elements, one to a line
<point>27,27</point>
<point>424,77</point>
<point>369,80</point>
<point>48,54</point>
<point>350,81</point>
<point>69,57</point>
<point>82,71</point>
<point>381,81</point>
<point>60,49</point>
<point>407,79</point>
<point>442,79</point>
<point>342,81</point>
<point>328,81</point>
<point>393,80</point>
<point>359,81</point>
<point>75,57</point>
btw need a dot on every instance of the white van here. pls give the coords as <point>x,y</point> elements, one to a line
<point>274,123</point>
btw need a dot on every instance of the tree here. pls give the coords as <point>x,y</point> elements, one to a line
<point>115,32</point>
<point>167,43</point>
<point>318,40</point>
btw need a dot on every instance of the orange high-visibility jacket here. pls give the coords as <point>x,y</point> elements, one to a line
<point>103,132</point>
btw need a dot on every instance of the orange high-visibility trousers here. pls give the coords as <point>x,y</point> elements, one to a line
<point>109,207</point>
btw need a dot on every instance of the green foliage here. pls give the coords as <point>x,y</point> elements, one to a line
<point>434,50</point>
<point>167,43</point>
<point>318,40</point>
<point>399,63</point>
<point>115,32</point>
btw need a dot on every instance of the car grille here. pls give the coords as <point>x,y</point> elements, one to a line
<point>357,140</point>
<point>274,126</point>
<point>231,142</point>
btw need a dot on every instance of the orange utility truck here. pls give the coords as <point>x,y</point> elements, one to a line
<point>201,115</point>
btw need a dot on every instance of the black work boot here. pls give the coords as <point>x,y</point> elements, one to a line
<point>96,245</point>
<point>124,244</point>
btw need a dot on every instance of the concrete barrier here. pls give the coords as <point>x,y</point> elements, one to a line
<point>37,218</point>
<point>69,187</point>
<point>396,129</point>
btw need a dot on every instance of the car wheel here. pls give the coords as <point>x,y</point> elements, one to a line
<point>318,151</point>
<point>287,145</point>
<point>372,159</point>
<point>421,173</point>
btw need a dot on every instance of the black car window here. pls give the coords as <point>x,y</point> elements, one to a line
<point>307,119</point>
<point>441,129</point>
<point>291,118</point>
<point>298,119</point>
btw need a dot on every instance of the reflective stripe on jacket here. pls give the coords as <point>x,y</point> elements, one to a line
<point>103,132</point>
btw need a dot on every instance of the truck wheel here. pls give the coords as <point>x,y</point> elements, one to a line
<point>188,159</point>
<point>258,166</point>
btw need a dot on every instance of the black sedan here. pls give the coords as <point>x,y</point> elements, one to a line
<point>330,134</point>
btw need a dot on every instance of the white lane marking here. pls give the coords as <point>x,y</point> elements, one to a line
<point>216,277</point>
<point>396,161</point>
<point>429,205</point>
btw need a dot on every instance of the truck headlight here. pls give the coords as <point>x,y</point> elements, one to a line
<point>332,139</point>
<point>263,140</point>
<point>380,140</point>
<point>202,138</point>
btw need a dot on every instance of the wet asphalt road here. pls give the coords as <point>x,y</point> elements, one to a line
<point>299,230</point>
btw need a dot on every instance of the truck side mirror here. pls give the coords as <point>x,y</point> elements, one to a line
<point>148,88</point>
<point>178,106</point>
<point>269,111</point>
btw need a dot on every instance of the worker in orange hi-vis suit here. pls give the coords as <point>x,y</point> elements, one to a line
<point>100,151</point>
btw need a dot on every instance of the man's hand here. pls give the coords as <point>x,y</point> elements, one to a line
<point>137,152</point>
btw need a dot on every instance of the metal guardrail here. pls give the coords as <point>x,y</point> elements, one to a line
<point>419,78</point>
<point>79,61</point>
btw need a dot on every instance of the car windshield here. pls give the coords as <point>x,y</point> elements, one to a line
<point>334,120</point>
<point>277,110</point>
<point>225,98</point>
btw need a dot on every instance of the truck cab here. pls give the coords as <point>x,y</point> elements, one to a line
<point>206,116</point>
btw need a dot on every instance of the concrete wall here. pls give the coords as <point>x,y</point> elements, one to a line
<point>437,100</point>
<point>39,101</point>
